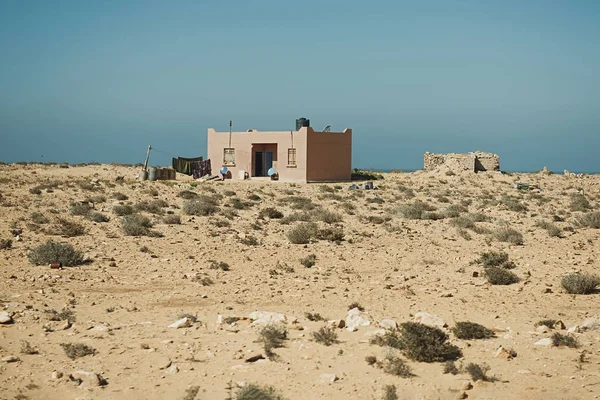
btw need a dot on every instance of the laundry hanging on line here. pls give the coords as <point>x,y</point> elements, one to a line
<point>201,168</point>
<point>184,165</point>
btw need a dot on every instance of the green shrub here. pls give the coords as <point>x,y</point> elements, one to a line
<point>508,235</point>
<point>76,350</point>
<point>580,283</point>
<point>415,210</point>
<point>559,339</point>
<point>52,252</point>
<point>391,338</point>
<point>425,343</point>
<point>492,259</point>
<point>201,206</point>
<point>472,330</point>
<point>451,368</point>
<point>309,261</point>
<point>326,335</point>
<point>314,317</point>
<point>334,234</point>
<point>122,210</point>
<point>254,197</point>
<point>272,337</point>
<point>302,233</point>
<point>270,212</point>
<point>500,276</point>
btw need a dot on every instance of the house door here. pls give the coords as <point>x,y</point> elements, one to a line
<point>263,161</point>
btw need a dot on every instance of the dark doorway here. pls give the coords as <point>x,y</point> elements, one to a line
<point>263,161</point>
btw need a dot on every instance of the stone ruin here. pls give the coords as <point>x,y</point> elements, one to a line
<point>477,161</point>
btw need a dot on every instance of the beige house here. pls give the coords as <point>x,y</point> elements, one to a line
<point>304,155</point>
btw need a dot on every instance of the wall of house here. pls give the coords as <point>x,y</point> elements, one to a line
<point>474,162</point>
<point>329,155</point>
<point>487,162</point>
<point>243,143</point>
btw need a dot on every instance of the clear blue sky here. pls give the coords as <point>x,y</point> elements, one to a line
<point>99,80</point>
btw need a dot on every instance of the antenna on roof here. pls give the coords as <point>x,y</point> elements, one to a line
<point>327,128</point>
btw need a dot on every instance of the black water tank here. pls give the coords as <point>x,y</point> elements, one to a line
<point>301,122</point>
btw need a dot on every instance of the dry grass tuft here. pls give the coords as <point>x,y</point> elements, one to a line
<point>77,350</point>
<point>580,283</point>
<point>326,335</point>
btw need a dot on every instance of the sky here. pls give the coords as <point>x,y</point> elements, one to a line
<point>84,81</point>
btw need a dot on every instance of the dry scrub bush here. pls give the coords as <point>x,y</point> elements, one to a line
<point>389,393</point>
<point>76,350</point>
<point>68,228</point>
<point>302,233</point>
<point>394,365</point>
<point>589,220</point>
<point>549,323</point>
<point>500,276</point>
<point>454,211</point>
<point>153,207</point>
<point>326,335</point>
<point>334,234</point>
<point>426,343</point>
<point>119,196</point>
<point>315,317</point>
<point>39,218</point>
<point>309,261</point>
<point>471,330</point>
<point>172,219</point>
<point>201,206</point>
<point>512,204</point>
<point>5,244</point>
<point>51,252</point>
<point>63,315</point>
<point>97,217</point>
<point>255,392</point>
<point>415,210</point>
<point>579,202</point>
<point>553,230</point>
<point>478,372</point>
<point>495,259</point>
<point>122,210</point>
<point>299,203</point>
<point>326,216</point>
<point>27,348</point>
<point>223,266</point>
<point>508,235</point>
<point>272,337</point>
<point>187,194</point>
<point>270,212</point>
<point>559,339</point>
<point>580,283</point>
<point>451,368</point>
<point>138,225</point>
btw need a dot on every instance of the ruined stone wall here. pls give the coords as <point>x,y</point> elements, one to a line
<point>474,162</point>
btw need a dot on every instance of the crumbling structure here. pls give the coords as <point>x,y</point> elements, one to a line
<point>474,162</point>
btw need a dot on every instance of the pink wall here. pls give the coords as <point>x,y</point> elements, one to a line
<point>330,157</point>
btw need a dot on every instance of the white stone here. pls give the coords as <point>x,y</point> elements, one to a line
<point>87,379</point>
<point>504,353</point>
<point>267,318</point>
<point>573,329</point>
<point>430,320</point>
<point>375,332</point>
<point>590,324</point>
<point>546,342</point>
<point>10,359</point>
<point>356,318</point>
<point>5,318</point>
<point>172,370</point>
<point>388,324</point>
<point>328,378</point>
<point>182,323</point>
<point>542,329</point>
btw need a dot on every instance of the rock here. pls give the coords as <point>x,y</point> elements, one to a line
<point>63,326</point>
<point>262,318</point>
<point>547,342</point>
<point>56,375</point>
<point>590,324</point>
<point>337,323</point>
<point>524,371</point>
<point>462,395</point>
<point>376,332</point>
<point>356,318</point>
<point>5,318</point>
<point>85,380</point>
<point>542,329</point>
<point>388,324</point>
<point>255,358</point>
<point>467,385</point>
<point>172,370</point>
<point>10,359</point>
<point>182,323</point>
<point>504,353</point>
<point>328,378</point>
<point>559,325</point>
<point>573,329</point>
<point>475,274</point>
<point>430,320</point>
<point>446,294</point>
<point>165,364</point>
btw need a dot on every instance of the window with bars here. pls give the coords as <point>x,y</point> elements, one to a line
<point>228,156</point>
<point>291,157</point>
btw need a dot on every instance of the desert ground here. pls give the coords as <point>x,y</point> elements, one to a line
<point>216,290</point>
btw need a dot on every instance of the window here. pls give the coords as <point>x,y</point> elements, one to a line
<point>291,157</point>
<point>228,156</point>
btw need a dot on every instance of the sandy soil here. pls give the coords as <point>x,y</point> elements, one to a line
<point>133,288</point>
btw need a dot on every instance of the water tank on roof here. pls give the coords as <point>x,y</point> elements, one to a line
<point>301,122</point>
